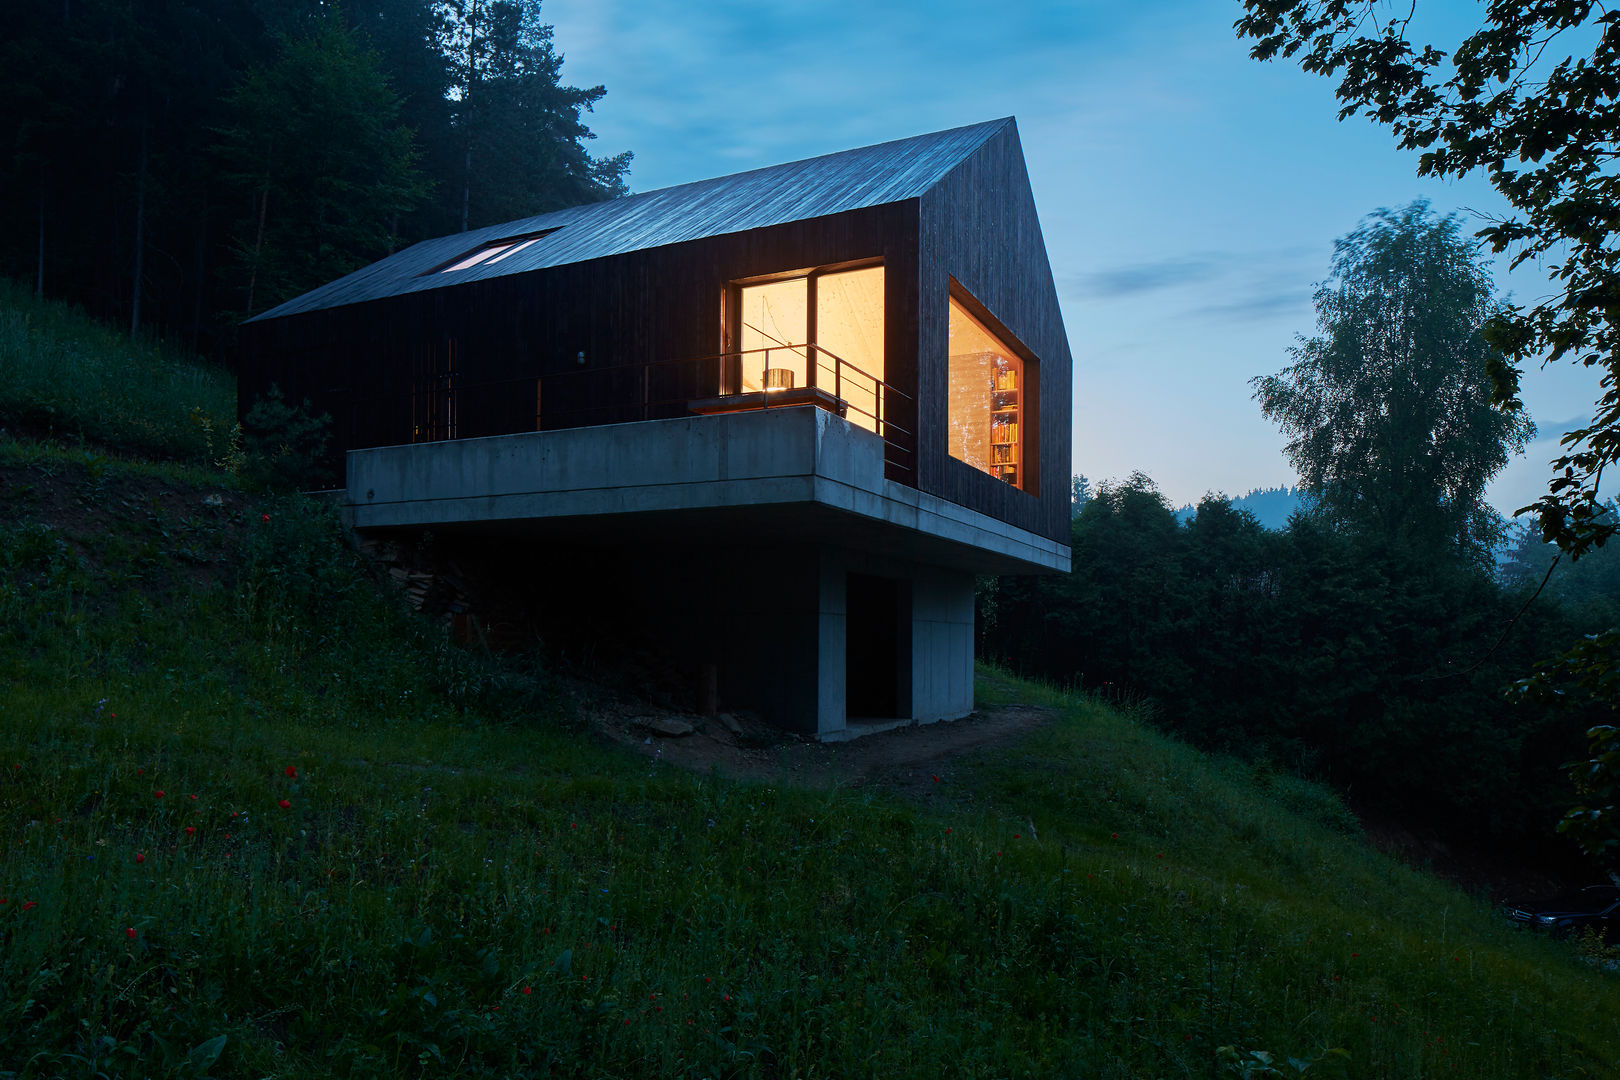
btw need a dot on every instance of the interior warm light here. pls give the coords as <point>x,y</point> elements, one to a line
<point>849,328</point>
<point>987,392</point>
<point>775,326</point>
<point>823,330</point>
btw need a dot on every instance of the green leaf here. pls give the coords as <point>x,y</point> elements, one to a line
<point>204,1054</point>
<point>564,962</point>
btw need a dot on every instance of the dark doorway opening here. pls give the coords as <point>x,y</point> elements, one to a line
<point>877,648</point>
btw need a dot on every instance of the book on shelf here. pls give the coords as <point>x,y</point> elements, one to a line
<point>1006,379</point>
<point>1004,433</point>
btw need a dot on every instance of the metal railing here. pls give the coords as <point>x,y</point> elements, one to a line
<point>653,390</point>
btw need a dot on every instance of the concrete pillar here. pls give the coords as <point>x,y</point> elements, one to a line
<point>942,644</point>
<point>831,627</point>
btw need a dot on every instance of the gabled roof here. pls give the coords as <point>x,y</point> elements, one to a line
<point>815,187</point>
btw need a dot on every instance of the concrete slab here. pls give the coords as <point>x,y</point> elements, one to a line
<point>800,473</point>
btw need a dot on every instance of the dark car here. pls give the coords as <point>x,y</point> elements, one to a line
<point>1596,907</point>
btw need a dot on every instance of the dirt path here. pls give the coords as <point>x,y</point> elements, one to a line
<point>902,758</point>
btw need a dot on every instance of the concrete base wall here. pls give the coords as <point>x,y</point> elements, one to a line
<point>728,543</point>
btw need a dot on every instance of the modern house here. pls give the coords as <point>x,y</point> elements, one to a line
<point>778,419</point>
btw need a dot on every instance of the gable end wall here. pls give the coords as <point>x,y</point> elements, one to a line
<point>979,226</point>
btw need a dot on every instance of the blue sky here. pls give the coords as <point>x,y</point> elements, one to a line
<point>1189,196</point>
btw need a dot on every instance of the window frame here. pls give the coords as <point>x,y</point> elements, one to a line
<point>730,376</point>
<point>1029,395</point>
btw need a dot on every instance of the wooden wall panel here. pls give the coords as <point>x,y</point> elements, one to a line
<point>663,304</point>
<point>979,226</point>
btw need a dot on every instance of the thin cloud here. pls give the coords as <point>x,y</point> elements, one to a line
<point>1144,277</point>
<point>1554,430</point>
<point>1257,308</point>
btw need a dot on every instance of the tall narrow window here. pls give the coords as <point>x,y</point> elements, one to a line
<point>849,341</point>
<point>989,399</point>
<point>773,336</point>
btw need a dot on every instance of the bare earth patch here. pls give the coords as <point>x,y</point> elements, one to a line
<point>906,759</point>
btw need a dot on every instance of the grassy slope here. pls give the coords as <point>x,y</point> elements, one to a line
<point>457,887</point>
<point>62,374</point>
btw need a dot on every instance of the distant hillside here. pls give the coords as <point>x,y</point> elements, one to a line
<point>1271,506</point>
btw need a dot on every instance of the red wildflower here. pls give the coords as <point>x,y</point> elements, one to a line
<point>157,794</point>
<point>292,771</point>
<point>947,828</point>
<point>138,772</point>
<point>1113,836</point>
<point>130,933</point>
<point>265,518</point>
<point>526,990</point>
<point>194,798</point>
<point>31,905</point>
<point>284,804</point>
<point>139,857</point>
<point>1018,836</point>
<point>936,779</point>
<point>191,830</point>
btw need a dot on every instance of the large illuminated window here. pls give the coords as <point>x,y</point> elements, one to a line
<point>989,400</point>
<point>822,329</point>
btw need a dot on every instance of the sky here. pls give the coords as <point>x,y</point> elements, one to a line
<point>1189,196</point>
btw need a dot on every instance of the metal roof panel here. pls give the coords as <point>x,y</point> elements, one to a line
<point>795,191</point>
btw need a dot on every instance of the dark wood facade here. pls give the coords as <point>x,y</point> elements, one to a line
<point>593,341</point>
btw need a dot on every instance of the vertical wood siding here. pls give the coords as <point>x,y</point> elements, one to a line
<point>979,226</point>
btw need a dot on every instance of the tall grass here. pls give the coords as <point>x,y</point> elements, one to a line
<point>276,810</point>
<point>256,820</point>
<point>65,375</point>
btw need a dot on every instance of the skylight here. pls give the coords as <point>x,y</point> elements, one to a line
<point>493,252</point>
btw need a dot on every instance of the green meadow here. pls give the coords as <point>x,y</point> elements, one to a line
<point>257,819</point>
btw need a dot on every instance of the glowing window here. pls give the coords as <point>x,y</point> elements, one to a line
<point>822,329</point>
<point>989,399</point>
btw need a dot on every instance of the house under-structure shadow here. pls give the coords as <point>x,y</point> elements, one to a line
<point>777,420</point>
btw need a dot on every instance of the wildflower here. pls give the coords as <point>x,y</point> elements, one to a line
<point>140,857</point>
<point>191,830</point>
<point>1113,836</point>
<point>284,804</point>
<point>194,798</point>
<point>30,905</point>
<point>947,828</point>
<point>265,518</point>
<point>157,794</point>
<point>936,779</point>
<point>138,772</point>
<point>292,771</point>
<point>1018,836</point>
<point>130,933</point>
<point>526,990</point>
